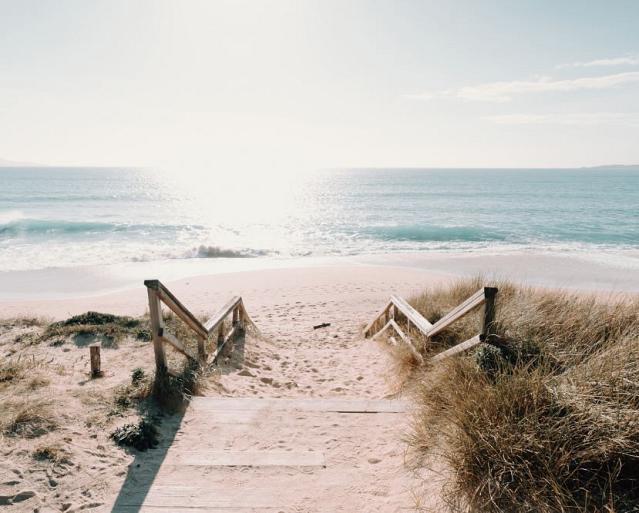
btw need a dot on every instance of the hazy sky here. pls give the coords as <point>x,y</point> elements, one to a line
<point>269,85</point>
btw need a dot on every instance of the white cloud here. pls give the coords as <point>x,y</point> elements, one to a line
<point>583,119</point>
<point>614,61</point>
<point>504,91</point>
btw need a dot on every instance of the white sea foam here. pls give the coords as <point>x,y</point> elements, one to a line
<point>73,217</point>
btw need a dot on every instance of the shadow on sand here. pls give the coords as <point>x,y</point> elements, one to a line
<point>144,469</point>
<point>146,465</point>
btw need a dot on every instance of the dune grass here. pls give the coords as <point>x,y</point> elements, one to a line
<point>547,422</point>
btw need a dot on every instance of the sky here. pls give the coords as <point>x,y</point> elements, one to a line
<point>307,84</point>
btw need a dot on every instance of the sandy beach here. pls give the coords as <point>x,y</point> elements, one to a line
<point>289,359</point>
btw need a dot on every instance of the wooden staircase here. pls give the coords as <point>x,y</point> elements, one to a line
<point>246,454</point>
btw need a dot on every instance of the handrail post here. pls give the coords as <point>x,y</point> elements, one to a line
<point>157,325</point>
<point>201,349</point>
<point>241,316</point>
<point>488,317</point>
<point>220,335</point>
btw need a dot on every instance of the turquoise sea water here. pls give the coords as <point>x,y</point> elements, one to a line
<point>60,217</point>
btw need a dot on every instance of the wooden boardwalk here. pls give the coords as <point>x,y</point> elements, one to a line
<point>247,454</point>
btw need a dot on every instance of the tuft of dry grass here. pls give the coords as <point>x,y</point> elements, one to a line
<point>27,417</point>
<point>551,422</point>
<point>52,453</point>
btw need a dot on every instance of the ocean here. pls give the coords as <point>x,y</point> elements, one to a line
<point>66,217</point>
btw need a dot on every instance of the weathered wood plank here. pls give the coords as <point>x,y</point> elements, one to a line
<point>176,307</point>
<point>177,345</point>
<point>245,317</point>
<point>317,405</point>
<point>407,341</point>
<point>463,346</point>
<point>383,330</point>
<point>211,497</point>
<point>204,458</point>
<point>458,312</point>
<point>136,508</point>
<point>193,509</point>
<point>157,325</point>
<point>213,323</point>
<point>225,340</point>
<point>370,325</point>
<point>412,315</point>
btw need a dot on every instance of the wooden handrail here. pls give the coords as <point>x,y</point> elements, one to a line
<point>458,312</point>
<point>176,306</point>
<point>158,294</point>
<point>485,296</point>
<point>212,324</point>
<point>411,314</point>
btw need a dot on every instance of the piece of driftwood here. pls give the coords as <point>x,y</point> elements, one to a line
<point>323,325</point>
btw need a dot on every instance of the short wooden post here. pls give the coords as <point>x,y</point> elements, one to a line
<point>488,317</point>
<point>157,327</point>
<point>94,352</point>
<point>236,315</point>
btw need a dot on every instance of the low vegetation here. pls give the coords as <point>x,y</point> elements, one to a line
<point>546,421</point>
<point>141,436</point>
<point>34,353</point>
<point>112,328</point>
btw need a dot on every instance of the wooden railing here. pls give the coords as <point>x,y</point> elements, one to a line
<point>389,316</point>
<point>158,294</point>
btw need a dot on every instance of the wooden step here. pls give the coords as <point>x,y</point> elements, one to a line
<point>248,458</point>
<point>337,405</point>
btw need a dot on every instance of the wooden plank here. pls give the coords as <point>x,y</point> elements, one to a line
<point>309,405</point>
<point>370,325</point>
<point>211,497</point>
<point>412,315</point>
<point>459,348</point>
<point>245,317</point>
<point>204,458</point>
<point>179,346</point>
<point>157,325</point>
<point>221,345</point>
<point>407,341</point>
<point>458,312</point>
<point>185,509</point>
<point>179,309</point>
<point>384,328</point>
<point>213,323</point>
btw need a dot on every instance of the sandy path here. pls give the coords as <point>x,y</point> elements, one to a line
<point>364,453</point>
